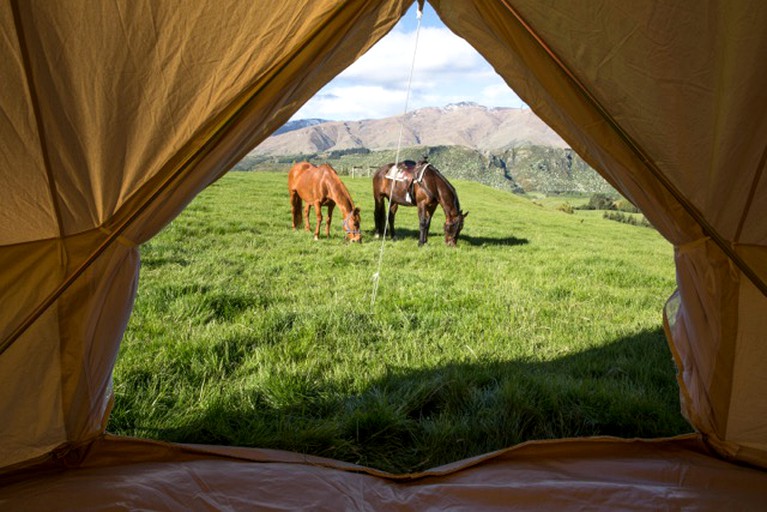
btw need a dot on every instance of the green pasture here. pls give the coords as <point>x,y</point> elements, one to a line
<point>540,324</point>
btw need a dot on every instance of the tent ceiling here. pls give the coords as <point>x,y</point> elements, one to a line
<point>113,116</point>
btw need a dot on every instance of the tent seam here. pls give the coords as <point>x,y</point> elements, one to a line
<point>751,194</point>
<point>639,152</point>
<point>35,101</point>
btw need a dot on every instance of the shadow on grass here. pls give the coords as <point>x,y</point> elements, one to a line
<point>435,236</point>
<point>412,420</point>
<point>485,240</point>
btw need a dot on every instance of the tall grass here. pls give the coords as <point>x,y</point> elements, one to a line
<point>538,325</point>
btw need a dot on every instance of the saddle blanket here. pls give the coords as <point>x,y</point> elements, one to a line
<point>397,174</point>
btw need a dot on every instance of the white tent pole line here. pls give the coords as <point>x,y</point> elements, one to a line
<point>377,275</point>
<point>642,155</point>
<point>218,127</point>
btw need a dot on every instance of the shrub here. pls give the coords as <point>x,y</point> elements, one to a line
<point>627,219</point>
<point>600,201</point>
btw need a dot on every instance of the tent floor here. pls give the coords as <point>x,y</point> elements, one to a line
<point>590,473</point>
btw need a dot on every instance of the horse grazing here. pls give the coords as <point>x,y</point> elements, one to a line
<point>321,186</point>
<point>418,184</point>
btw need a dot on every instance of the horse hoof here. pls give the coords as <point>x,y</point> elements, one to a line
<point>316,239</point>
<point>377,235</point>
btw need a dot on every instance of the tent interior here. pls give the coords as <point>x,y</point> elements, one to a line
<point>115,115</point>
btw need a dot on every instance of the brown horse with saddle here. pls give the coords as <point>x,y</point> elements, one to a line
<point>318,187</point>
<point>416,184</point>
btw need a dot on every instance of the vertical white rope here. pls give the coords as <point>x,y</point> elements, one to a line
<point>377,276</point>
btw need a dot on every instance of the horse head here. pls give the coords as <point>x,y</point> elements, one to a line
<point>453,227</point>
<point>352,226</point>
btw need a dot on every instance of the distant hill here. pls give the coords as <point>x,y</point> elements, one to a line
<point>507,148</point>
<point>463,124</point>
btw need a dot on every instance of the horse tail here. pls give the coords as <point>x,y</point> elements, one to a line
<point>296,206</point>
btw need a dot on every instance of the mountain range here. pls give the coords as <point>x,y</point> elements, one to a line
<point>507,148</point>
<point>462,124</point>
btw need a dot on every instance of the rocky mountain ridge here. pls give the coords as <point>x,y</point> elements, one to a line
<point>461,124</point>
<point>506,148</point>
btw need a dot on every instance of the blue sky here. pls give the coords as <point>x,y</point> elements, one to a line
<point>447,70</point>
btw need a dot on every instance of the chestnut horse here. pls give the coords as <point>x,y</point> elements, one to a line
<point>321,186</point>
<point>417,184</point>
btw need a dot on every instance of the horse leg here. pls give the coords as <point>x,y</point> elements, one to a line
<point>392,211</point>
<point>306,216</point>
<point>318,213</point>
<point>424,220</point>
<point>425,214</point>
<point>330,217</point>
<point>430,210</point>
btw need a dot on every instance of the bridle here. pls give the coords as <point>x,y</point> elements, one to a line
<point>346,226</point>
<point>451,225</point>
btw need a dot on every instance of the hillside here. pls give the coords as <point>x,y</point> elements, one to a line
<point>464,124</point>
<point>506,148</point>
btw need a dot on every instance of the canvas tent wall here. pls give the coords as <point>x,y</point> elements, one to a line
<point>114,115</point>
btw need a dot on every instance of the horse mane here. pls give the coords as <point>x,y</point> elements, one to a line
<point>447,183</point>
<point>338,185</point>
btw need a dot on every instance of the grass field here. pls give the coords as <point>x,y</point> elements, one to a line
<point>540,324</point>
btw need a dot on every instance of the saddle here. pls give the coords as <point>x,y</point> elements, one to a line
<point>406,172</point>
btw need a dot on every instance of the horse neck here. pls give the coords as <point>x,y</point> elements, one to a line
<point>446,195</point>
<point>340,195</point>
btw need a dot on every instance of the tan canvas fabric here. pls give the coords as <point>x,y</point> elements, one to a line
<point>576,474</point>
<point>113,116</point>
<point>661,99</point>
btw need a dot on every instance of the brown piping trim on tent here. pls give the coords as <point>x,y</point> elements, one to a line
<point>216,131</point>
<point>751,194</point>
<point>27,62</point>
<point>639,152</point>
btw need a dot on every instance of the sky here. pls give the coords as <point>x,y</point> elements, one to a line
<point>447,70</point>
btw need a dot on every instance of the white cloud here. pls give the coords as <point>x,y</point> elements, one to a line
<point>353,102</point>
<point>441,51</point>
<point>447,70</point>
